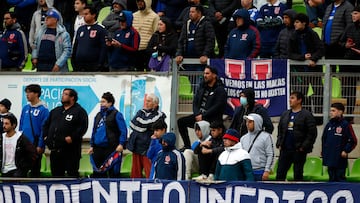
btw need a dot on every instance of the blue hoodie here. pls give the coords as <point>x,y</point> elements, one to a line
<point>37,114</point>
<point>170,163</point>
<point>243,41</point>
<point>123,57</point>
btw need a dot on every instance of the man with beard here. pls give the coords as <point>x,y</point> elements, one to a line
<point>63,132</point>
<point>13,45</point>
<point>209,104</point>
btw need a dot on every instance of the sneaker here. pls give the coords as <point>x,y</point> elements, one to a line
<point>210,177</point>
<point>200,177</point>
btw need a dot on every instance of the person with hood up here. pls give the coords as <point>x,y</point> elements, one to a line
<point>193,157</point>
<point>209,149</point>
<point>146,23</point>
<point>111,22</point>
<point>162,45</point>
<point>122,48</point>
<point>170,163</point>
<point>243,41</point>
<point>33,116</point>
<point>249,105</point>
<point>38,19</point>
<point>13,45</point>
<point>282,43</point>
<point>233,163</point>
<point>259,145</point>
<point>108,136</point>
<point>52,46</point>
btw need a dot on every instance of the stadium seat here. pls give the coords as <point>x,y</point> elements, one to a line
<point>354,175</point>
<point>272,175</point>
<point>313,169</point>
<point>103,13</point>
<point>295,2</point>
<point>299,8</point>
<point>45,170</point>
<point>125,170</point>
<point>318,31</point>
<point>28,65</point>
<point>185,90</point>
<point>85,168</point>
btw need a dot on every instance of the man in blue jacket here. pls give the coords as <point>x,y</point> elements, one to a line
<point>170,163</point>
<point>13,45</point>
<point>32,118</point>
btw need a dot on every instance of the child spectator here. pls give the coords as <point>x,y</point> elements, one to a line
<point>170,163</point>
<point>234,163</point>
<point>338,140</point>
<point>209,150</point>
<point>202,131</point>
<point>155,147</point>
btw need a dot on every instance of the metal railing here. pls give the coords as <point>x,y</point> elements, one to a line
<point>319,102</point>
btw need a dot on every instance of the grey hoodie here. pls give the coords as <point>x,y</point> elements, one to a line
<point>205,129</point>
<point>262,151</point>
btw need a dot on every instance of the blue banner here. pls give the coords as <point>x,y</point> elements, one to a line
<point>269,79</point>
<point>155,191</point>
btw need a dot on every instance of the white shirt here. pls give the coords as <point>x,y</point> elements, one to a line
<point>9,149</point>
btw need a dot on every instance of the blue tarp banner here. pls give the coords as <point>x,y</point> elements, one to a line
<point>157,191</point>
<point>269,79</point>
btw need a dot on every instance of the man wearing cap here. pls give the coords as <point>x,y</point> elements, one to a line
<point>209,104</point>
<point>296,136</point>
<point>233,163</point>
<point>38,19</point>
<point>5,106</point>
<point>89,52</point>
<point>123,46</point>
<point>52,46</point>
<point>259,145</point>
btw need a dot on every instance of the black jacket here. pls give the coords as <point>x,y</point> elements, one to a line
<point>305,130</point>
<point>204,39</point>
<point>25,154</point>
<point>313,45</point>
<point>215,104</point>
<point>163,43</point>
<point>61,123</point>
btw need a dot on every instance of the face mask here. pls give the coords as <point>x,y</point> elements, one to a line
<point>243,101</point>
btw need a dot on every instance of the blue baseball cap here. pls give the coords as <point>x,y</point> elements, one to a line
<point>53,13</point>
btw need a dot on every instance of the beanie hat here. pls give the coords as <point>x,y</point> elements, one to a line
<point>6,103</point>
<point>232,134</point>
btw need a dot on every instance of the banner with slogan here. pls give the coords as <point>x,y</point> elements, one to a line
<point>165,191</point>
<point>129,92</point>
<point>269,79</point>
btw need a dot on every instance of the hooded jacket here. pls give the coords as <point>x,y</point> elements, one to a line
<point>123,57</point>
<point>111,22</point>
<point>31,121</point>
<point>282,43</point>
<point>353,32</point>
<point>205,131</point>
<point>238,122</point>
<point>170,163</point>
<point>62,46</point>
<point>146,23</point>
<point>243,41</point>
<point>234,164</point>
<point>36,22</point>
<point>13,47</point>
<point>262,151</point>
